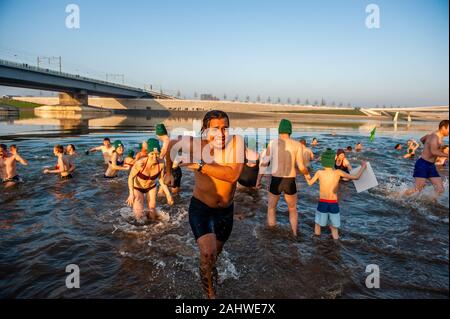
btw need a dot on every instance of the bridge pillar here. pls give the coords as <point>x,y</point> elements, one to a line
<point>73,99</point>
<point>396,117</point>
<point>409,117</point>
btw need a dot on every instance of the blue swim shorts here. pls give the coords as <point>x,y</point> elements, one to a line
<point>425,169</point>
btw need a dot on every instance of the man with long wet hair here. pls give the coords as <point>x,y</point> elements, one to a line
<point>217,159</point>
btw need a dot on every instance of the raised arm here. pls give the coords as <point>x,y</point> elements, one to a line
<point>95,149</point>
<point>348,165</point>
<point>353,177</point>
<point>20,159</point>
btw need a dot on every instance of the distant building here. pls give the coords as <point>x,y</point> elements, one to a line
<point>208,97</point>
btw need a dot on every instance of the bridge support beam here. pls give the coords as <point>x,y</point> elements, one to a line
<point>396,117</point>
<point>73,99</point>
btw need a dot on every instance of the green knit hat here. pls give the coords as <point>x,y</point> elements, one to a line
<point>152,144</point>
<point>130,154</point>
<point>328,158</point>
<point>161,130</point>
<point>285,127</point>
<point>117,144</point>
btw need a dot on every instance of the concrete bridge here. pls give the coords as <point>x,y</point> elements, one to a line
<point>424,113</point>
<point>74,89</point>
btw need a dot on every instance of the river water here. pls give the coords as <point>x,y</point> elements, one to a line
<point>47,224</point>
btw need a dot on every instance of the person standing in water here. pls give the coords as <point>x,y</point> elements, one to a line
<point>285,155</point>
<point>117,161</point>
<point>142,181</point>
<point>63,165</point>
<point>8,173</point>
<point>358,147</point>
<point>142,151</point>
<point>425,168</point>
<point>328,208</point>
<point>163,137</point>
<point>107,150</point>
<point>342,162</point>
<point>314,142</point>
<point>72,155</point>
<point>308,154</point>
<point>217,160</point>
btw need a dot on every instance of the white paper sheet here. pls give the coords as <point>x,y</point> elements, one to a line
<point>367,181</point>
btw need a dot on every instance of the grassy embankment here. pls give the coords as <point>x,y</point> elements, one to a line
<point>26,109</point>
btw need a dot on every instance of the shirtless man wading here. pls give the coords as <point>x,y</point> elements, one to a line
<point>425,168</point>
<point>284,155</point>
<point>217,160</point>
<point>8,174</point>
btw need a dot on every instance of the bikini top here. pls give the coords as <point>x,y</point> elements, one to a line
<point>144,177</point>
<point>341,167</point>
<point>119,161</point>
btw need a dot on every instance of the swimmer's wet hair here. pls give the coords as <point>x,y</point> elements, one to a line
<point>443,123</point>
<point>3,146</point>
<point>73,146</point>
<point>212,115</point>
<point>107,139</point>
<point>13,146</point>
<point>303,141</point>
<point>59,148</point>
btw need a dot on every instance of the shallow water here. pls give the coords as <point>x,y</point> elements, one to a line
<point>47,224</point>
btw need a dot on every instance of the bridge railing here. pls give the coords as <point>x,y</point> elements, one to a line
<point>28,67</point>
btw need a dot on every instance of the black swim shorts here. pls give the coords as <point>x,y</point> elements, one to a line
<point>15,179</point>
<point>177,174</point>
<point>206,220</point>
<point>285,185</point>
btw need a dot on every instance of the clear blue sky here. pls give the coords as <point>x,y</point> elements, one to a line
<point>297,49</point>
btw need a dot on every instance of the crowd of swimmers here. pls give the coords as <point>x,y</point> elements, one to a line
<point>154,170</point>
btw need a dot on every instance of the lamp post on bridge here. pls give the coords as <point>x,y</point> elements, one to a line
<point>49,60</point>
<point>113,76</point>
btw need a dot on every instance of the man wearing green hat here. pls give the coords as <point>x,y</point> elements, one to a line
<point>284,155</point>
<point>163,136</point>
<point>327,213</point>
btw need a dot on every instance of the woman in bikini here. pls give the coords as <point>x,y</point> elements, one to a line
<point>63,166</point>
<point>116,163</point>
<point>143,181</point>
